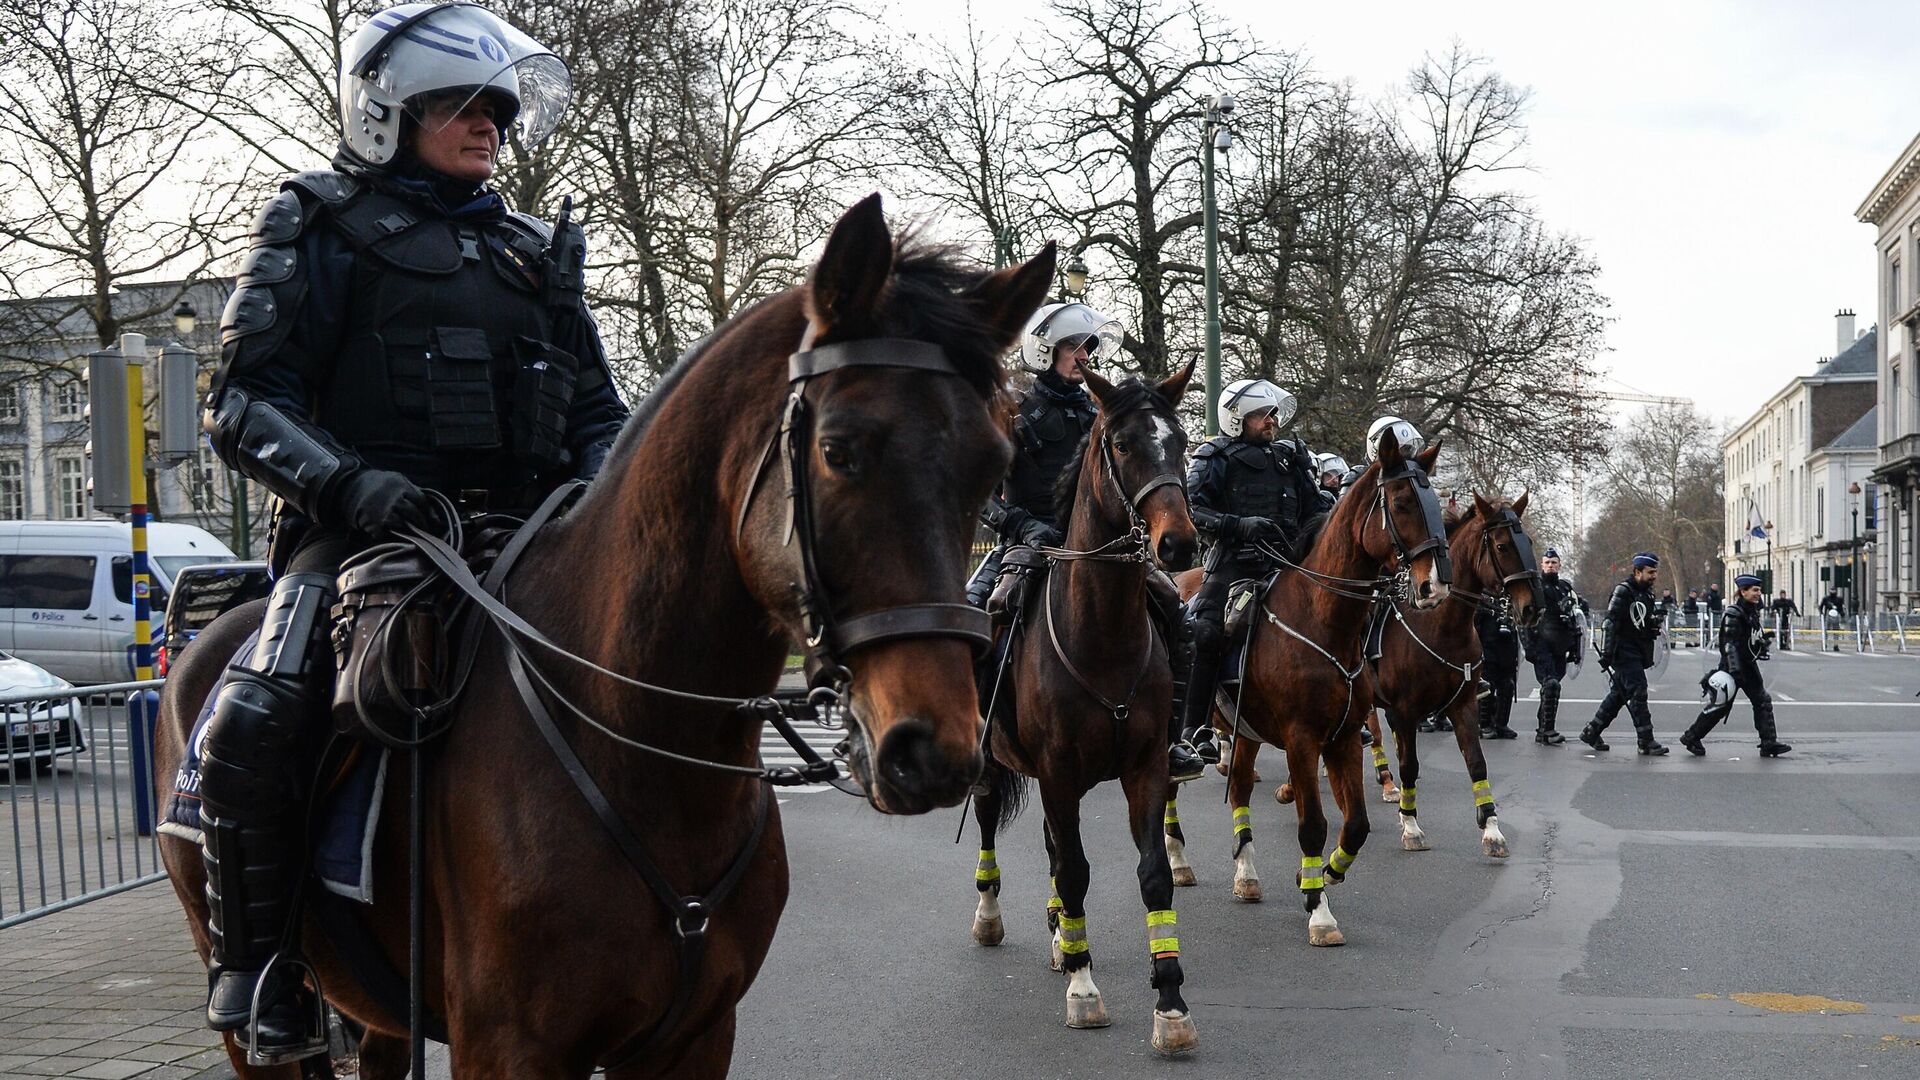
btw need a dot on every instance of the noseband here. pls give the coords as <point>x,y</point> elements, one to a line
<point>1528,572</point>
<point>1436,538</point>
<point>830,637</point>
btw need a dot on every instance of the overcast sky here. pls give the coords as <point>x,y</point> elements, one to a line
<point>1711,154</point>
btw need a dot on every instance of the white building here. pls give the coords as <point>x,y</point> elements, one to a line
<point>1893,207</point>
<point>44,469</point>
<point>1795,461</point>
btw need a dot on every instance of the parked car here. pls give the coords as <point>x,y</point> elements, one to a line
<point>40,729</point>
<point>66,590</point>
<point>202,594</point>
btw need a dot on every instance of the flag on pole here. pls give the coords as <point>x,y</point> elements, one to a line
<point>1756,525</point>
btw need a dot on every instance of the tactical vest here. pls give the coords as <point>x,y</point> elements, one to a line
<point>1260,483</point>
<point>449,374</point>
<point>1559,609</point>
<point>1046,434</point>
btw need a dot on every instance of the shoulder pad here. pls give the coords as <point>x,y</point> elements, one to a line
<point>324,184</point>
<point>280,221</point>
<point>527,223</point>
<point>1210,447</point>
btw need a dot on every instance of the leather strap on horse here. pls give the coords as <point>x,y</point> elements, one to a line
<point>689,914</point>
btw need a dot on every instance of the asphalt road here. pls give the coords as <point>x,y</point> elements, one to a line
<point>1718,916</point>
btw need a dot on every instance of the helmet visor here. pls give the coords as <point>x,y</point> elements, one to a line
<point>439,62</point>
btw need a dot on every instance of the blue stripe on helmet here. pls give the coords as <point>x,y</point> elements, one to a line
<point>464,54</point>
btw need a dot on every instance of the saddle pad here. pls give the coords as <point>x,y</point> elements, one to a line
<point>349,815</point>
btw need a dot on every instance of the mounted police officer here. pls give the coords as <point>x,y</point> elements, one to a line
<point>1249,490</point>
<point>1553,644</point>
<point>1634,616</point>
<point>395,328</point>
<point>1049,423</point>
<point>1744,643</point>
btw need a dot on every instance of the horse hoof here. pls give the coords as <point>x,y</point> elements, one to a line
<point>1183,875</point>
<point>1283,794</point>
<point>1389,793</point>
<point>1415,842</point>
<point>1221,767</point>
<point>989,931</point>
<point>1325,936</point>
<point>1173,1032</point>
<point>1087,1012</point>
<point>1248,890</point>
<point>1494,846</point>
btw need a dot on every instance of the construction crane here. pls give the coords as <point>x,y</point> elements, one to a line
<point>1633,396</point>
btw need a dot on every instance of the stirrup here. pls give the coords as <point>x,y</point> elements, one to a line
<point>316,1042</point>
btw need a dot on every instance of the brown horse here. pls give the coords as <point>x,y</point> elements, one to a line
<point>1304,685</point>
<point>1430,660</point>
<point>1092,689</point>
<point>545,953</point>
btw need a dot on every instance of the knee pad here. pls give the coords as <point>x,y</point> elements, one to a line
<point>295,622</point>
<point>253,756</point>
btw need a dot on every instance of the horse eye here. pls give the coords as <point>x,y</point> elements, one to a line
<point>1121,446</point>
<point>837,456</point>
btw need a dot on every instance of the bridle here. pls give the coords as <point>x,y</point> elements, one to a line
<point>1529,568</point>
<point>830,636</point>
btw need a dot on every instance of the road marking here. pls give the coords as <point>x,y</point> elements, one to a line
<point>1785,698</point>
<point>1777,699</point>
<point>774,752</point>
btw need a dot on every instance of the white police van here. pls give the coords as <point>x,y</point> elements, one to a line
<point>66,590</point>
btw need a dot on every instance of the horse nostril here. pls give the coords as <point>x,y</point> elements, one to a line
<point>912,762</point>
<point>1175,552</point>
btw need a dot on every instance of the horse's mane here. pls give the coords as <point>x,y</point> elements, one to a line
<point>1131,394</point>
<point>1308,536</point>
<point>925,299</point>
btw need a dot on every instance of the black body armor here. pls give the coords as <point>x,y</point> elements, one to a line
<point>1053,417</point>
<point>1232,478</point>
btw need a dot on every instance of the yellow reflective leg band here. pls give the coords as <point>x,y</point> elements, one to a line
<point>1310,872</point>
<point>1340,861</point>
<point>1173,813</point>
<point>1243,819</point>
<point>1406,799</point>
<point>1073,934</point>
<point>1054,903</point>
<point>1483,793</point>
<point>1163,937</point>
<point>1379,757</point>
<point>989,868</point>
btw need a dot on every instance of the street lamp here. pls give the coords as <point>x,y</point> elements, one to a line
<point>184,320</point>
<point>1076,282</point>
<point>1853,552</point>
<point>1216,135</point>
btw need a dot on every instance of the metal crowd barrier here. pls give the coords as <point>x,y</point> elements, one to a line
<point>77,796</point>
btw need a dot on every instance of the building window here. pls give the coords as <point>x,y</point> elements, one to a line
<point>1820,511</point>
<point>13,491</point>
<point>10,404</point>
<point>70,486</point>
<point>69,400</point>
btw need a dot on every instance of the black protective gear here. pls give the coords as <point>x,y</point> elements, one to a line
<point>1052,419</point>
<point>1037,533</point>
<point>253,782</point>
<point>380,503</point>
<point>1626,686</point>
<point>1247,530</point>
<point>1549,709</point>
<point>294,460</point>
<point>1500,665</point>
<point>1209,646</point>
<point>980,585</point>
<point>1234,478</point>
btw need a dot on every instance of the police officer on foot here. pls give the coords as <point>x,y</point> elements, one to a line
<point>1784,612</point>
<point>1633,622</point>
<point>1500,666</point>
<point>1743,644</point>
<point>394,328</point>
<point>1250,491</point>
<point>1553,644</point>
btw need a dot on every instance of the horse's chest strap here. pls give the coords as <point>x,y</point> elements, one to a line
<point>687,914</point>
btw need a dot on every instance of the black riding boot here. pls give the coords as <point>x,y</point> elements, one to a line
<point>1647,744</point>
<point>1195,707</point>
<point>1185,760</point>
<point>1770,744</point>
<point>1591,736</point>
<point>1709,717</point>
<point>253,780</point>
<point>1548,711</point>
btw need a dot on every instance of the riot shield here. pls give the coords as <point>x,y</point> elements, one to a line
<point>1583,642</point>
<point>1662,656</point>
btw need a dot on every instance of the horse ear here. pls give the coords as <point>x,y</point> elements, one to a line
<point>1482,508</point>
<point>1390,456</point>
<point>1427,457</point>
<point>1101,388</point>
<point>846,283</point>
<point>1175,386</point>
<point>1006,299</point>
<point>1520,504</point>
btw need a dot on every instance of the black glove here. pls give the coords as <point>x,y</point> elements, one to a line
<point>380,503</point>
<point>1249,529</point>
<point>1037,533</point>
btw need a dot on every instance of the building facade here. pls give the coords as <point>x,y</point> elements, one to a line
<point>44,469</point>
<point>1893,208</point>
<point>1793,464</point>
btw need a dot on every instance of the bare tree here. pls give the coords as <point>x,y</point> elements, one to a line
<point>1663,488</point>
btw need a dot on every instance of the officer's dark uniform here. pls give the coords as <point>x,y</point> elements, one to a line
<point>1500,666</point>
<point>1743,644</point>
<point>389,331</point>
<point>1552,645</point>
<point>1053,417</point>
<point>1633,622</point>
<point>1239,491</point>
<point>1784,610</point>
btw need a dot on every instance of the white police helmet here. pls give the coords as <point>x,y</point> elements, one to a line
<point>430,61</point>
<point>1409,437</point>
<point>1330,463</point>
<point>1055,325</point>
<point>1719,687</point>
<point>1245,397</point>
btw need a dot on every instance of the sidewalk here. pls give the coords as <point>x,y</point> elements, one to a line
<point>110,989</point>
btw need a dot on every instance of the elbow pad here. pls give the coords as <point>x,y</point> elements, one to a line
<point>295,461</point>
